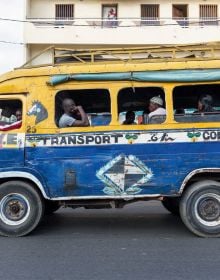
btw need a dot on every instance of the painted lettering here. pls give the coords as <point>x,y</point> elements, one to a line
<point>54,141</point>
<point>80,140</point>
<point>106,139</point>
<point>89,139</point>
<point>98,140</point>
<point>2,137</point>
<point>63,140</point>
<point>205,135</point>
<point>165,138</point>
<point>71,140</point>
<point>12,139</point>
<point>211,135</point>
<point>154,138</point>
<point>116,137</point>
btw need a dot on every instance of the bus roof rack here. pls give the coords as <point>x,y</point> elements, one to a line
<point>151,53</point>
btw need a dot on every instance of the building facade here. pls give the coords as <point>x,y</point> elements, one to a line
<point>104,23</point>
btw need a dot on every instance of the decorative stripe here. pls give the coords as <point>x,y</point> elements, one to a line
<point>122,138</point>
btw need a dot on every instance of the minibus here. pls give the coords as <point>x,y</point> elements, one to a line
<point>122,153</point>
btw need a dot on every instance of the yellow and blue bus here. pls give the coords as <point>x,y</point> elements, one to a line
<point>173,157</point>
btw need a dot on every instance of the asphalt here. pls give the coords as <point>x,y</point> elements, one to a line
<point>140,241</point>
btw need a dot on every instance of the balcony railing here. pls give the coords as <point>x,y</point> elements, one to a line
<point>123,22</point>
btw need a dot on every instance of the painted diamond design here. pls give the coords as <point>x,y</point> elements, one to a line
<point>124,175</point>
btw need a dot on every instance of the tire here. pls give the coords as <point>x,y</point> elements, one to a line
<point>21,208</point>
<point>51,207</point>
<point>200,208</point>
<point>172,204</point>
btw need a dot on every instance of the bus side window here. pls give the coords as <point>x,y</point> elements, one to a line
<point>198,103</point>
<point>10,114</point>
<point>137,100</point>
<point>95,103</point>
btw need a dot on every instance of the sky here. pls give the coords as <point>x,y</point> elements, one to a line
<point>11,55</point>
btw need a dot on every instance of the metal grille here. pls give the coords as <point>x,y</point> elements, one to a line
<point>64,11</point>
<point>208,14</point>
<point>150,14</point>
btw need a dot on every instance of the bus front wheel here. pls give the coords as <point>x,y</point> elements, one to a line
<point>200,208</point>
<point>21,208</point>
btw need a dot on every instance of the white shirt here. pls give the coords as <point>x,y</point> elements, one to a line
<point>158,112</point>
<point>66,121</point>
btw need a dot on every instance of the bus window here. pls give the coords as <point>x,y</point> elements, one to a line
<point>134,105</point>
<point>94,102</point>
<point>197,103</point>
<point>10,114</point>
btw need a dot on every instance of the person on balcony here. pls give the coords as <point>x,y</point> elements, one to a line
<point>112,18</point>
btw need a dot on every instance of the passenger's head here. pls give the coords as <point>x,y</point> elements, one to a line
<point>205,103</point>
<point>129,117</point>
<point>69,106</point>
<point>155,103</point>
<point>18,114</point>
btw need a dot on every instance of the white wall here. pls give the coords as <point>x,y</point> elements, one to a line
<point>126,8</point>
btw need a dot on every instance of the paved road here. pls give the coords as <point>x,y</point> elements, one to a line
<point>141,241</point>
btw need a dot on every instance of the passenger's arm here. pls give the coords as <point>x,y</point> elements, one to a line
<point>84,121</point>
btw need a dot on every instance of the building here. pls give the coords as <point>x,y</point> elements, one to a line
<point>97,23</point>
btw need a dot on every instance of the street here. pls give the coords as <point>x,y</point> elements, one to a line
<point>141,241</point>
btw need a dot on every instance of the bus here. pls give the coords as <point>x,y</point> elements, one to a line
<point>117,150</point>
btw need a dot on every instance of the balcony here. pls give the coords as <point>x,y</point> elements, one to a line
<point>123,31</point>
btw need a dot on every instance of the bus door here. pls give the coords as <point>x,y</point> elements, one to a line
<point>12,130</point>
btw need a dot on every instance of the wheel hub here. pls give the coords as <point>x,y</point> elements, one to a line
<point>207,209</point>
<point>14,209</point>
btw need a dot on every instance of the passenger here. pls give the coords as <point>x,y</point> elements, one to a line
<point>14,122</point>
<point>73,115</point>
<point>129,118</point>
<point>155,107</point>
<point>18,114</point>
<point>6,116</point>
<point>205,104</point>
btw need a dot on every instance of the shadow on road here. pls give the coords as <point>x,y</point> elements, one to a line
<point>141,218</point>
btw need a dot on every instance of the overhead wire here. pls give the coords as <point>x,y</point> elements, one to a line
<point>62,24</point>
<point>178,22</point>
<point>10,42</point>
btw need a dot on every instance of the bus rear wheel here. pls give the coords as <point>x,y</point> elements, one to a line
<point>171,204</point>
<point>200,208</point>
<point>21,208</point>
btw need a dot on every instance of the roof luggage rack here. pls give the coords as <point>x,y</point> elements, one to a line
<point>154,53</point>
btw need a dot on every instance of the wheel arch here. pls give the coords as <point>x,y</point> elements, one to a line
<point>199,175</point>
<point>25,177</point>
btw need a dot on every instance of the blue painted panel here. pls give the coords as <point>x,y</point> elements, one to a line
<point>170,163</point>
<point>11,157</point>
